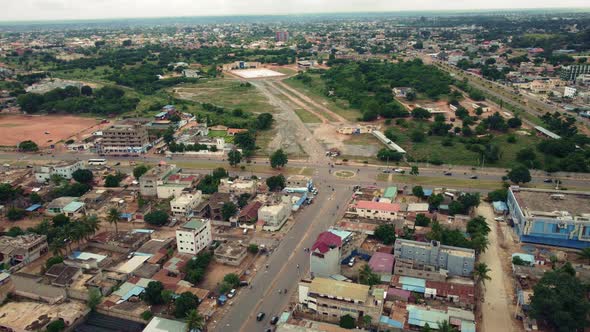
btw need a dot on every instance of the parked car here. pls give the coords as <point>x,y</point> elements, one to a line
<point>548,181</point>
<point>386,171</point>
<point>398,170</point>
<point>473,177</point>
<point>231,293</point>
<point>351,262</point>
<point>447,173</point>
<point>274,320</point>
<point>499,219</point>
<point>260,316</point>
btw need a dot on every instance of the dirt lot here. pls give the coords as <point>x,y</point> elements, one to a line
<point>18,128</point>
<point>216,272</point>
<point>20,315</point>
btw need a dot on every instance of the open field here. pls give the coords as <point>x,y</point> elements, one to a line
<point>307,117</point>
<point>18,128</point>
<point>256,73</point>
<point>227,93</point>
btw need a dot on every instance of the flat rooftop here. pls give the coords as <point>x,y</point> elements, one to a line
<point>256,73</point>
<point>540,202</point>
<point>339,289</point>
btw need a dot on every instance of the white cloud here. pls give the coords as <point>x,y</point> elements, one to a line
<point>16,10</point>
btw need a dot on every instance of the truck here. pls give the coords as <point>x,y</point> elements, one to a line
<point>298,190</point>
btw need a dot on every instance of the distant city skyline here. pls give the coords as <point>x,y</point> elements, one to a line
<point>26,10</point>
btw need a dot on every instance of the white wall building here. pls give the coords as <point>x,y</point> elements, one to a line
<point>193,236</point>
<point>274,216</point>
<point>63,169</point>
<point>184,204</point>
<point>237,187</point>
<point>376,210</point>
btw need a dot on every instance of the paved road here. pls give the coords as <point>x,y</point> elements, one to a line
<point>283,272</point>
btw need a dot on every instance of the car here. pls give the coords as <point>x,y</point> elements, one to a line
<point>386,171</point>
<point>398,170</point>
<point>473,177</point>
<point>231,293</point>
<point>117,163</point>
<point>448,173</point>
<point>274,320</point>
<point>499,219</point>
<point>260,316</point>
<point>351,262</point>
<point>131,254</point>
<point>548,181</point>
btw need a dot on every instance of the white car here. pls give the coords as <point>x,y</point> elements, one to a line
<point>499,219</point>
<point>398,170</point>
<point>231,293</point>
<point>351,262</point>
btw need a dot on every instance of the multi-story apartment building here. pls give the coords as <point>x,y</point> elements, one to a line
<point>124,139</point>
<point>570,73</point>
<point>21,249</point>
<point>148,183</point>
<point>324,259</point>
<point>193,236</point>
<point>65,169</point>
<point>417,259</point>
<point>184,204</point>
<point>282,36</point>
<point>551,217</point>
<point>331,299</point>
<point>274,216</point>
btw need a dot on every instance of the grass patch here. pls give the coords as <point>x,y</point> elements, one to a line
<point>307,117</point>
<point>315,91</point>
<point>221,133</point>
<point>227,93</point>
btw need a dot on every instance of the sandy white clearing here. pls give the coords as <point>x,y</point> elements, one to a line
<point>256,73</point>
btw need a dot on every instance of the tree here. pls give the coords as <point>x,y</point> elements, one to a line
<point>85,90</point>
<point>417,136</point>
<point>480,273</point>
<point>7,193</point>
<point>386,154</point>
<point>60,220</point>
<point>278,159</point>
<point>157,217</point>
<point>435,200</point>
<point>584,254</point>
<point>445,326</point>
<point>422,220</point>
<point>515,122</point>
<point>140,170</point>
<point>243,200</point>
<point>83,175</point>
<point>264,121</point>
<point>53,260</point>
<point>418,191</point>
<point>147,315</point>
<point>367,276</point>
<point>245,140</point>
<point>228,210</point>
<point>186,302</point>
<point>56,326</point>
<point>253,248</point>
<point>421,113</point>
<point>113,217</point>
<point>385,233</point>
<point>94,298</point>
<point>559,299</point>
<point>519,174</point>
<point>15,213</point>
<point>347,322</point>
<point>276,183</point>
<point>153,293</point>
<point>234,157</point>
<point>414,170</point>
<point>367,320</point>
<point>232,279</point>
<point>28,146</point>
<point>194,321</point>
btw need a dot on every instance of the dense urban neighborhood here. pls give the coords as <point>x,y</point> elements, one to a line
<point>372,172</point>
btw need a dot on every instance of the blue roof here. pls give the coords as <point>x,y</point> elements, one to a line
<point>73,206</point>
<point>391,322</point>
<point>126,215</point>
<point>135,291</point>
<point>419,317</point>
<point>33,207</point>
<point>467,326</point>
<point>500,206</point>
<point>427,192</point>
<point>161,114</point>
<point>412,281</point>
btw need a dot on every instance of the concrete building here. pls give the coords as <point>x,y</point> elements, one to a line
<point>148,183</point>
<point>551,217</point>
<point>58,205</point>
<point>193,236</point>
<point>237,187</point>
<point>274,216</point>
<point>324,259</point>
<point>123,139</point>
<point>330,299</point>
<point>230,253</point>
<point>570,73</point>
<point>382,264</point>
<point>298,181</point>
<point>389,143</point>
<point>376,210</point>
<point>159,324</point>
<point>21,249</point>
<point>184,204</point>
<point>174,184</point>
<point>282,36</point>
<point>414,258</point>
<point>65,169</point>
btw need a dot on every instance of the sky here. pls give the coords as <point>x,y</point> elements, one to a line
<point>22,10</point>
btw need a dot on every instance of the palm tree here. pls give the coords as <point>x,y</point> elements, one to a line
<point>113,217</point>
<point>480,243</point>
<point>194,321</point>
<point>480,272</point>
<point>444,326</point>
<point>585,254</point>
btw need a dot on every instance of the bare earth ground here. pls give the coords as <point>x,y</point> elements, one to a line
<point>497,309</point>
<point>19,315</point>
<point>17,128</point>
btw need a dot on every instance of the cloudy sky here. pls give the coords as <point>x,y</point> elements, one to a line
<point>18,10</point>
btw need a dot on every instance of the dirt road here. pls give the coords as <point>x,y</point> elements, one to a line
<point>496,308</point>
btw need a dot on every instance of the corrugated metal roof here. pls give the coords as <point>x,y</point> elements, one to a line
<point>73,207</point>
<point>420,317</point>
<point>390,192</point>
<point>412,281</point>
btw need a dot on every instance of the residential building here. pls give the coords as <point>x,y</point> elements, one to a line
<point>159,324</point>
<point>298,181</point>
<point>230,253</point>
<point>430,259</point>
<point>237,187</point>
<point>461,320</point>
<point>74,209</point>
<point>148,182</point>
<point>274,216</point>
<point>324,259</point>
<point>551,217</point>
<point>65,169</point>
<point>183,205</point>
<point>376,210</point>
<point>124,139</point>
<point>21,249</point>
<point>382,264</point>
<point>174,184</point>
<point>58,205</point>
<point>330,299</point>
<point>282,36</point>
<point>249,214</point>
<point>211,208</point>
<point>570,73</point>
<point>402,92</point>
<point>193,236</point>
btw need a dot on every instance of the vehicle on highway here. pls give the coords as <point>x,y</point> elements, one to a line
<point>386,171</point>
<point>548,181</point>
<point>274,320</point>
<point>118,163</point>
<point>97,161</point>
<point>398,170</point>
<point>260,316</point>
<point>447,173</point>
<point>499,219</point>
<point>351,262</point>
<point>473,177</point>
<point>231,293</point>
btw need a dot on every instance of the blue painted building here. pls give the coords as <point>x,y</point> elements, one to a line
<point>551,217</point>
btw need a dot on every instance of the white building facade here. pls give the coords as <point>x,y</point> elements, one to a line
<point>65,170</point>
<point>184,204</point>
<point>193,236</point>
